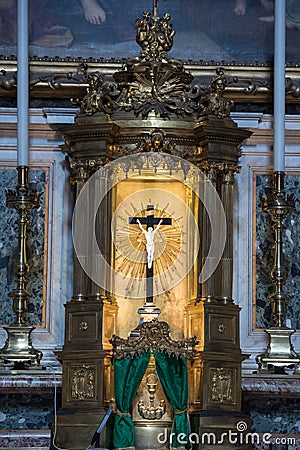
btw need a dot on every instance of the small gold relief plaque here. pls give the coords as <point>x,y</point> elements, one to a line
<point>83,383</point>
<point>221,385</point>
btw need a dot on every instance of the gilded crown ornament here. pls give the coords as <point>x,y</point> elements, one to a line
<point>152,83</point>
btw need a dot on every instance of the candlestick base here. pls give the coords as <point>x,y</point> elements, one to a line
<point>18,349</point>
<point>280,356</point>
<point>148,313</point>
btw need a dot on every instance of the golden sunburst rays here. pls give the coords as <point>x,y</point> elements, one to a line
<point>130,249</point>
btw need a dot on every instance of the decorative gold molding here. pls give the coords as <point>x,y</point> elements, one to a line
<point>246,82</point>
<point>211,169</point>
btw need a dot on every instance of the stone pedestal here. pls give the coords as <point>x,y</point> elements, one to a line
<point>87,373</point>
<point>215,373</point>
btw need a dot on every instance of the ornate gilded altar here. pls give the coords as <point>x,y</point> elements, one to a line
<point>151,136</point>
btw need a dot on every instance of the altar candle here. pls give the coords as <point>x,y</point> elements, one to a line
<point>279,86</point>
<point>22,83</point>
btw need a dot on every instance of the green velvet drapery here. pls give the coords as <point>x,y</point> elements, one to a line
<point>172,374</point>
<point>128,374</point>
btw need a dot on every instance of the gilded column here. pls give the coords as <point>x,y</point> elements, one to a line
<point>225,268</point>
<point>207,289</point>
<point>80,174</point>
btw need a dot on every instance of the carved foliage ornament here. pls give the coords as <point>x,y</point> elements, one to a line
<point>157,86</point>
<point>163,87</point>
<point>153,336</point>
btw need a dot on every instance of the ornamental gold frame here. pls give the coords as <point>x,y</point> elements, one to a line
<point>53,78</point>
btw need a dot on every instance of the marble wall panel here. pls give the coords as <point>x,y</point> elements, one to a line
<point>26,411</point>
<point>264,247</point>
<point>36,247</point>
<point>274,415</point>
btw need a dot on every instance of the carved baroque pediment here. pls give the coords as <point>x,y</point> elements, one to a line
<point>153,336</point>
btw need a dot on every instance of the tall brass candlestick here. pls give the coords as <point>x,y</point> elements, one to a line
<point>280,353</point>
<point>18,347</point>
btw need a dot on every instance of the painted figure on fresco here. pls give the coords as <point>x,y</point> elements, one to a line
<point>103,21</point>
<point>92,10</point>
<point>292,11</point>
<point>223,30</point>
<point>241,6</point>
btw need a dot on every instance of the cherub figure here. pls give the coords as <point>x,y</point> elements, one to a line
<point>144,35</point>
<point>213,101</point>
<point>166,37</point>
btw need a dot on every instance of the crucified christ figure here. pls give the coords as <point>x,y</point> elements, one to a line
<point>149,235</point>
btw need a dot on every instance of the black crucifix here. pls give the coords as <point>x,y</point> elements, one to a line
<point>149,233</point>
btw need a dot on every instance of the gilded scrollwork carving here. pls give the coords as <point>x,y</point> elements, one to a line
<point>155,142</point>
<point>7,82</point>
<point>83,383</point>
<point>221,385</point>
<point>153,336</point>
<point>61,79</point>
<point>155,86</point>
<point>251,84</point>
<point>146,84</point>
<point>291,88</point>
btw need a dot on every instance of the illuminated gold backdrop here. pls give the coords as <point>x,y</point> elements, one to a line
<point>174,249</point>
